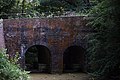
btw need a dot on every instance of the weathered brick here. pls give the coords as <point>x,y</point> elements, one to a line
<point>57,34</point>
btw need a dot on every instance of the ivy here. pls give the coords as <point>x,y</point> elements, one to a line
<point>103,46</point>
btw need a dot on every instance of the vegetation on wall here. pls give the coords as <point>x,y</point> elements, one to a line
<point>104,46</point>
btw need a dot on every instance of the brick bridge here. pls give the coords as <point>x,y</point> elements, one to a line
<point>52,45</point>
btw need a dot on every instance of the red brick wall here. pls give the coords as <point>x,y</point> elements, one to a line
<point>55,33</point>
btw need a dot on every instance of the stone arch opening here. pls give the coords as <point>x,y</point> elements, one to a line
<point>38,59</point>
<point>74,59</point>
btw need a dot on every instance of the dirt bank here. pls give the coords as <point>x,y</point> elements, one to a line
<point>66,76</point>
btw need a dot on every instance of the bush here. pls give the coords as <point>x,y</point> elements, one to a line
<point>10,71</point>
<point>104,45</point>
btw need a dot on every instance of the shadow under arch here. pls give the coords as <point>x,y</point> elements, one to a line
<point>74,59</point>
<point>38,59</point>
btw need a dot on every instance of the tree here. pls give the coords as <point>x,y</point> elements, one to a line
<point>41,8</point>
<point>58,7</point>
<point>5,7</point>
<point>103,46</point>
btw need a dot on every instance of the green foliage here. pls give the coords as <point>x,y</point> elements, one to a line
<point>103,46</point>
<point>60,7</point>
<point>5,7</point>
<point>41,8</point>
<point>10,71</point>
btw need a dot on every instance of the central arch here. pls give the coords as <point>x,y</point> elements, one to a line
<point>74,59</point>
<point>38,59</point>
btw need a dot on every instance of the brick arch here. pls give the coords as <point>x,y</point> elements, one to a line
<point>74,59</point>
<point>38,59</point>
<point>54,33</point>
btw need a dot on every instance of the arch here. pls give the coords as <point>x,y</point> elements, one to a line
<point>38,59</point>
<point>74,59</point>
